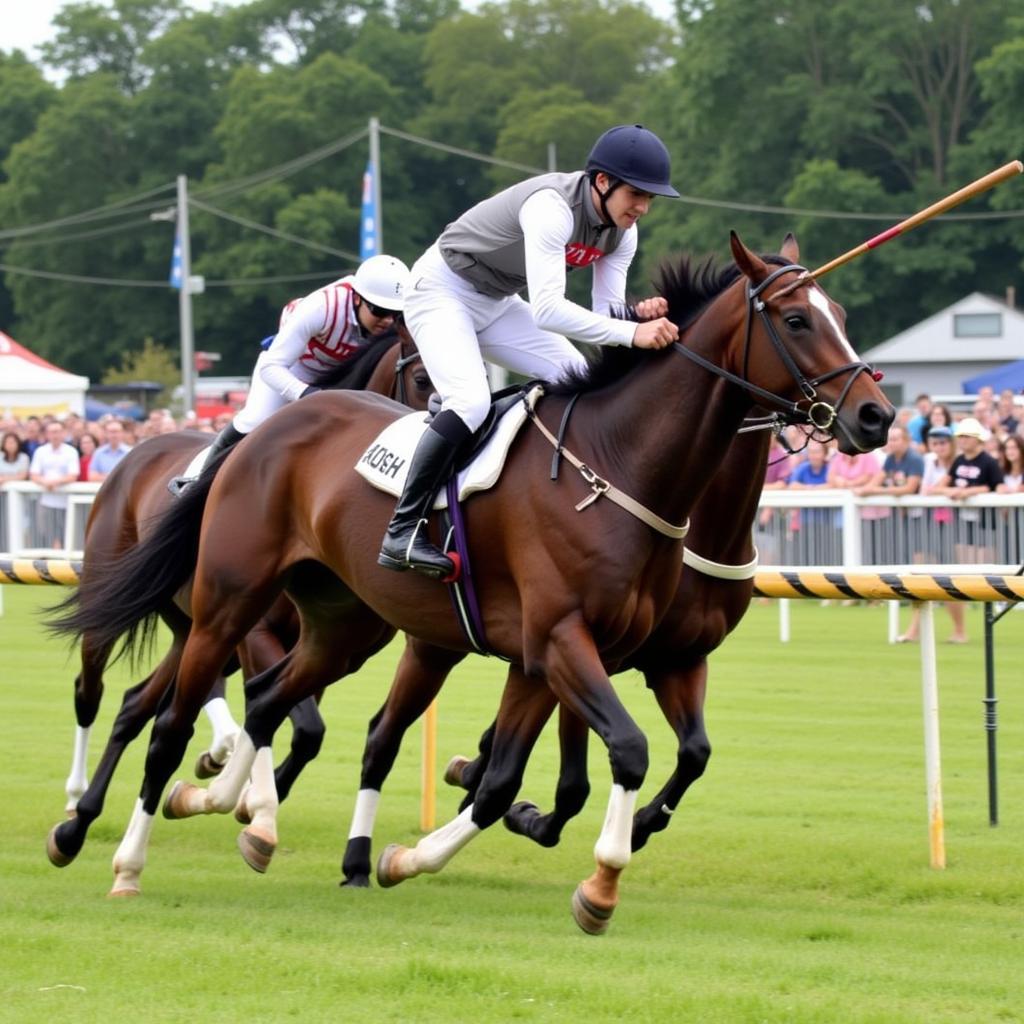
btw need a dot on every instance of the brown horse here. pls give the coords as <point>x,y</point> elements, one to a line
<point>713,594</point>
<point>562,591</point>
<point>129,502</point>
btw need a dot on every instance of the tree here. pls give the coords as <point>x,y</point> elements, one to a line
<point>152,362</point>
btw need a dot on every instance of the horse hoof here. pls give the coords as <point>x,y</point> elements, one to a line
<point>592,919</point>
<point>58,858</point>
<point>206,767</point>
<point>359,881</point>
<point>175,806</point>
<point>516,817</point>
<point>124,892</point>
<point>256,850</point>
<point>453,773</point>
<point>385,863</point>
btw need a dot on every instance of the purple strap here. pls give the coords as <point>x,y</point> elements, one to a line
<point>465,582</point>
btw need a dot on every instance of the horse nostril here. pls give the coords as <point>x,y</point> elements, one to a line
<point>874,419</point>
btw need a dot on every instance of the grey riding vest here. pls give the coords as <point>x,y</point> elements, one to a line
<point>485,245</point>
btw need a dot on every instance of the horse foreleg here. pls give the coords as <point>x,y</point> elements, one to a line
<point>421,673</point>
<point>525,819</point>
<point>525,707</point>
<point>578,678</point>
<point>138,706</point>
<point>466,774</point>
<point>680,693</point>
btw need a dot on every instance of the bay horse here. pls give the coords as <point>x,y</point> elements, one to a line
<point>712,596</point>
<point>562,591</point>
<point>129,502</point>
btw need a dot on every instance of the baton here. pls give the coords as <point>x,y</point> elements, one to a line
<point>961,196</point>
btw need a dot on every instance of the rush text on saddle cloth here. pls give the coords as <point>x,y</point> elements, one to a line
<point>386,462</point>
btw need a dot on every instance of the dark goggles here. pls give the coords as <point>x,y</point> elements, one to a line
<point>380,312</point>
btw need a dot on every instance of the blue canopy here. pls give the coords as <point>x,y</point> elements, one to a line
<point>1010,375</point>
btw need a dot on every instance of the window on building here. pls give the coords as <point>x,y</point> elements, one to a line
<point>977,325</point>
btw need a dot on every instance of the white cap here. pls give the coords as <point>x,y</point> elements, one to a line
<point>970,427</point>
<point>382,280</point>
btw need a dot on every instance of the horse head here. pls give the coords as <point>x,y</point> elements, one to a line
<point>796,352</point>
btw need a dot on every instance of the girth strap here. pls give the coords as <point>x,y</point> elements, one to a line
<point>718,570</point>
<point>600,487</point>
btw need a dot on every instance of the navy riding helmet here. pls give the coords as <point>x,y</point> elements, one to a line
<point>632,154</point>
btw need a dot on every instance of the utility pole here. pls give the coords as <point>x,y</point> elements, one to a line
<point>188,385</point>
<point>552,157</point>
<point>378,209</point>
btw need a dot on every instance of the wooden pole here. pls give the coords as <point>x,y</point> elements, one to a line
<point>990,180</point>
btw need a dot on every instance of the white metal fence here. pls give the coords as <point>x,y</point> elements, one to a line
<point>824,527</point>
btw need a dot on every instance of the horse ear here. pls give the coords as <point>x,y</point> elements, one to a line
<point>790,250</point>
<point>749,263</point>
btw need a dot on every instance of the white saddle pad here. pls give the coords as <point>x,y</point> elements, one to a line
<point>385,463</point>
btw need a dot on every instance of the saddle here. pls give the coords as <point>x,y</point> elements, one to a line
<point>385,462</point>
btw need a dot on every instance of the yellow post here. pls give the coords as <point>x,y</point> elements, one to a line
<point>428,773</point>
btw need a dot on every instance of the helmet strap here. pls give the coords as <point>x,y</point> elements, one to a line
<point>603,196</point>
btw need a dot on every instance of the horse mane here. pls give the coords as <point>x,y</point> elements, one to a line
<point>688,286</point>
<point>356,371</point>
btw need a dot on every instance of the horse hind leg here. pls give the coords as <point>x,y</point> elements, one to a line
<point>211,761</point>
<point>421,673</point>
<point>138,706</point>
<point>525,707</point>
<point>525,818</point>
<point>88,695</point>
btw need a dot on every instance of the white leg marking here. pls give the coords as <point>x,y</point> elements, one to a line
<point>365,814</point>
<point>225,729</point>
<point>432,852</point>
<point>262,797</point>
<point>78,780</point>
<point>130,858</point>
<point>613,846</point>
<point>225,790</point>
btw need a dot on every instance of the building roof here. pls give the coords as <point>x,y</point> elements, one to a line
<point>933,340</point>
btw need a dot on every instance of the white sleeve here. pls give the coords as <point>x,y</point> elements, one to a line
<point>610,272</point>
<point>306,321</point>
<point>547,226</point>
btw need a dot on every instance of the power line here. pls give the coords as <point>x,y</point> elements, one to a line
<point>460,152</point>
<point>116,209</point>
<point>273,232</point>
<point>112,229</point>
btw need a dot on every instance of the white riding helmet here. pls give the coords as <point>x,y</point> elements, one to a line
<point>382,280</point>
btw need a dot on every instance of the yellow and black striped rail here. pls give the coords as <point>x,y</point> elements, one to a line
<point>796,583</point>
<point>40,570</point>
<point>889,586</point>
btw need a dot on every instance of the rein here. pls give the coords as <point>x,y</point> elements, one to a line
<point>818,414</point>
<point>399,392</point>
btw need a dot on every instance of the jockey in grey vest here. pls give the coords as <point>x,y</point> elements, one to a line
<point>462,305</point>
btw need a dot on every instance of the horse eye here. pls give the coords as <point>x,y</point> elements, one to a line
<point>795,322</point>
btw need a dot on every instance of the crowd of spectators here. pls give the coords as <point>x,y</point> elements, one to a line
<point>53,451</point>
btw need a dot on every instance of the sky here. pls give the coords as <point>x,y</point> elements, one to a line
<point>26,23</point>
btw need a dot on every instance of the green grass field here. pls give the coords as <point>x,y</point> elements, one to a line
<point>792,886</point>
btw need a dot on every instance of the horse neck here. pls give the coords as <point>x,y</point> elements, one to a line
<point>724,515</point>
<point>669,423</point>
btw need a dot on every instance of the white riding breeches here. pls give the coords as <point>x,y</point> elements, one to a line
<point>263,401</point>
<point>456,328</point>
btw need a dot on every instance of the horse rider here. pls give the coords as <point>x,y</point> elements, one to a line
<point>316,334</point>
<point>463,306</point>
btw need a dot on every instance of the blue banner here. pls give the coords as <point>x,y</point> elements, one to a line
<point>368,217</point>
<point>175,276</point>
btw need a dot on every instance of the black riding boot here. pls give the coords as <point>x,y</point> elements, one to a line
<point>406,543</point>
<point>226,439</point>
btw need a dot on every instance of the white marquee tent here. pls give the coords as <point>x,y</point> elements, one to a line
<point>29,385</point>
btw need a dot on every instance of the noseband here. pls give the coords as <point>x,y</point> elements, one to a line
<point>818,414</point>
<point>398,390</point>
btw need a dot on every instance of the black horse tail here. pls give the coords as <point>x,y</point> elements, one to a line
<point>126,596</point>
